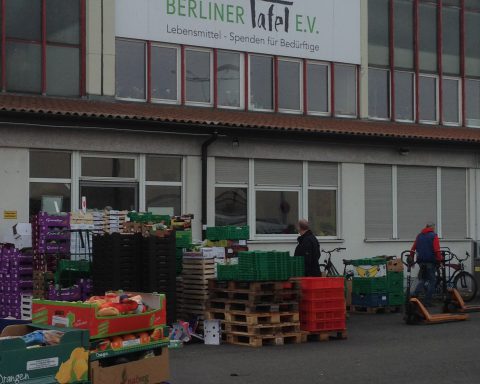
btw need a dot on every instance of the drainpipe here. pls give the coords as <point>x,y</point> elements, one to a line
<point>205,146</point>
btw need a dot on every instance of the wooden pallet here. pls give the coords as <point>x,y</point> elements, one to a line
<point>212,314</point>
<point>260,341</point>
<point>252,286</point>
<point>262,329</point>
<point>256,296</point>
<point>261,318</point>
<point>324,335</point>
<point>251,307</point>
<point>389,309</point>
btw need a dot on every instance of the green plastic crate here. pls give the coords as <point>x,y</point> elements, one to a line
<point>368,285</point>
<point>228,233</point>
<point>396,298</point>
<point>227,272</point>
<point>395,281</point>
<point>69,271</point>
<point>379,260</point>
<point>183,239</point>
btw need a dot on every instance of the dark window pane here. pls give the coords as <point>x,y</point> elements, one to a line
<point>164,73</point>
<point>289,85</point>
<point>322,212</point>
<point>427,19</point>
<point>472,43</point>
<point>44,164</point>
<point>451,113</point>
<point>378,93</point>
<point>228,77</point>
<point>43,195</point>
<point>451,40</point>
<point>163,200</point>
<point>317,88</point>
<point>197,67</point>
<point>63,71</point>
<point>428,98</point>
<point>378,32</point>
<point>24,68</point>
<point>345,90</point>
<point>261,82</point>
<point>404,87</point>
<point>108,167</point>
<point>23,19</point>
<point>276,212</point>
<point>130,69</point>
<point>63,21</point>
<point>164,168</point>
<point>118,197</point>
<point>403,33</point>
<point>472,96</point>
<point>230,206</point>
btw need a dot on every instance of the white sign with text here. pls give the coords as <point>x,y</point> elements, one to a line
<point>314,29</point>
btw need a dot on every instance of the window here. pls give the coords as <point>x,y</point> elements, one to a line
<point>404,96</point>
<point>198,73</point>
<point>454,211</point>
<point>451,101</point>
<point>472,107</point>
<point>378,93</point>
<point>318,88</point>
<point>451,40</point>
<point>322,198</point>
<point>24,41</point>
<point>289,85</point>
<point>378,27</point>
<point>427,19</point>
<point>261,82</point>
<point>277,193</point>
<point>472,43</point>
<point>108,167</point>
<point>50,181</point>
<point>428,99</point>
<point>163,185</point>
<point>231,191</point>
<point>130,69</point>
<point>378,202</point>
<point>229,79</point>
<point>403,33</point>
<point>345,90</point>
<point>165,74</point>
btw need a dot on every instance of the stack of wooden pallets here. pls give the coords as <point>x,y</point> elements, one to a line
<point>256,313</point>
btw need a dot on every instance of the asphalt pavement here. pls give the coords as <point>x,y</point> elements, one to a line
<point>380,348</point>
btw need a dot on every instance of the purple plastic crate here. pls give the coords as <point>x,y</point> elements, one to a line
<point>54,248</point>
<point>45,219</point>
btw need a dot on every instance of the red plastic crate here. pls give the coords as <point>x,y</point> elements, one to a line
<point>323,325</point>
<point>322,305</point>
<point>323,293</point>
<point>338,314</point>
<point>322,282</point>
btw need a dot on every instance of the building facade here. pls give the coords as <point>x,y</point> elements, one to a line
<point>360,115</point>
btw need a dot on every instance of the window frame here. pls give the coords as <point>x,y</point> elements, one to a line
<point>43,43</point>
<point>337,207</point>
<point>242,82</point>
<point>148,62</point>
<point>274,100</point>
<point>329,87</point>
<point>460,115</point>
<point>389,94</point>
<point>466,119</point>
<point>343,116</point>
<point>300,84</point>
<point>109,156</point>
<point>184,79</point>
<point>147,89</point>
<point>437,99</point>
<point>414,97</point>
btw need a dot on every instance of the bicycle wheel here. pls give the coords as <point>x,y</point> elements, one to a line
<point>466,286</point>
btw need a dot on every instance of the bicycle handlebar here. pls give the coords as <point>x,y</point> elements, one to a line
<point>333,250</point>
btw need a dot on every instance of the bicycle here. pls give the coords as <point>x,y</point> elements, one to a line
<point>327,268</point>
<point>463,281</point>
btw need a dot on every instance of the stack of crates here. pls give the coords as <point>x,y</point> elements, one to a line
<point>228,232</point>
<point>377,282</point>
<point>322,308</point>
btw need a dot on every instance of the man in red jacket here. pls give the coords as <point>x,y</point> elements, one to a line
<point>427,246</point>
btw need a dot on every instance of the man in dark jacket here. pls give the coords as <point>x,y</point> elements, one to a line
<point>427,246</point>
<point>309,248</point>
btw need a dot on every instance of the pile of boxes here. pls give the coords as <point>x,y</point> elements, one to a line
<point>378,283</point>
<point>109,221</point>
<point>16,273</point>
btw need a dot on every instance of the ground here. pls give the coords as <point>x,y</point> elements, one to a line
<point>380,349</point>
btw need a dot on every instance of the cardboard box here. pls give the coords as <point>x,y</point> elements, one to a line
<point>151,370</point>
<point>39,365</point>
<point>395,265</point>
<point>84,316</point>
